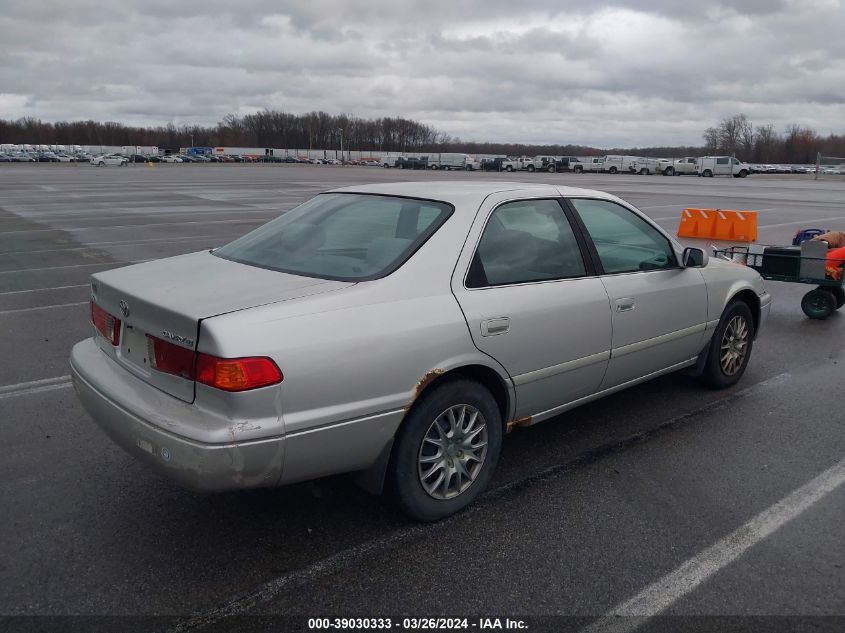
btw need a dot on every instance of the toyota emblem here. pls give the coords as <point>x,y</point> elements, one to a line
<point>124,308</point>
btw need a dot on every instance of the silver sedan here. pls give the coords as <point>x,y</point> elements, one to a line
<point>399,331</point>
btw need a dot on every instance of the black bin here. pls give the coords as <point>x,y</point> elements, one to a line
<point>781,260</point>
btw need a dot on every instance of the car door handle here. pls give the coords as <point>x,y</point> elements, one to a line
<point>493,327</point>
<point>625,305</point>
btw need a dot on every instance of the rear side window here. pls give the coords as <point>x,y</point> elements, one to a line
<point>524,241</point>
<point>624,241</point>
<point>348,237</point>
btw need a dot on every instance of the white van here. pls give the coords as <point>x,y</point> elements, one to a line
<point>709,166</point>
<point>615,163</point>
<point>452,160</point>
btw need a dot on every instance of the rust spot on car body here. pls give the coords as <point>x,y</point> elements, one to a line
<point>428,378</point>
<point>526,421</point>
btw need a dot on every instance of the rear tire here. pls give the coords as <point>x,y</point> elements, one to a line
<point>730,347</point>
<point>670,171</point>
<point>550,169</point>
<point>413,473</point>
<point>578,169</point>
<point>530,168</point>
<point>819,303</point>
<point>509,168</point>
<point>707,173</point>
<point>612,170</point>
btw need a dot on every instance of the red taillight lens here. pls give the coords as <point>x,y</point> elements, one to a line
<point>169,358</point>
<point>237,374</point>
<point>228,374</point>
<point>106,324</point>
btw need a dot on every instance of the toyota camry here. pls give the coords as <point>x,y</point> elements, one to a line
<point>399,331</point>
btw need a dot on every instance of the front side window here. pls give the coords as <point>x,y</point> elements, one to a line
<point>624,241</point>
<point>722,161</point>
<point>349,237</point>
<point>524,241</point>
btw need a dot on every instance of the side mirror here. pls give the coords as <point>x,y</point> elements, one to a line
<point>694,258</point>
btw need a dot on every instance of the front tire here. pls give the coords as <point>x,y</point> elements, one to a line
<point>509,168</point>
<point>613,170</point>
<point>670,171</point>
<point>839,295</point>
<point>730,347</point>
<point>530,168</point>
<point>446,450</point>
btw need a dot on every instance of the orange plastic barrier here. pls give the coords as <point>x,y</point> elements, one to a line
<point>719,224</point>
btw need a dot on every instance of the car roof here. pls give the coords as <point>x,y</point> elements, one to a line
<point>467,192</point>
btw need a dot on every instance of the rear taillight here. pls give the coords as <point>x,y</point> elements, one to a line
<point>228,374</point>
<point>169,358</point>
<point>237,374</point>
<point>106,324</point>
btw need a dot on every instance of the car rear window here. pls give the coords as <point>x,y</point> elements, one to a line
<point>347,237</point>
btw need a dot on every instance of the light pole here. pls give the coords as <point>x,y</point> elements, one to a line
<point>340,131</point>
<point>192,140</point>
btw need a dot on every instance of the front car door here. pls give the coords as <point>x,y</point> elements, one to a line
<point>659,308</point>
<point>532,302</point>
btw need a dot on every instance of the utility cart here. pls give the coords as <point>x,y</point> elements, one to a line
<point>803,264</point>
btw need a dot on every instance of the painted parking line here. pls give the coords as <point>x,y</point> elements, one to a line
<point>32,270</point>
<point>801,222</point>
<point>29,290</point>
<point>37,308</point>
<point>663,593</point>
<point>135,226</point>
<point>90,245</point>
<point>34,386</point>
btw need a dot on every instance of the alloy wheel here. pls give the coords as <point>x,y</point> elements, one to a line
<point>453,451</point>
<point>734,346</point>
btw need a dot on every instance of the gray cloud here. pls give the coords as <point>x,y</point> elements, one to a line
<point>608,73</point>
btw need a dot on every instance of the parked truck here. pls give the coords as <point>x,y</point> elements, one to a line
<point>709,166</point>
<point>645,166</point>
<point>616,163</point>
<point>452,160</point>
<point>680,167</point>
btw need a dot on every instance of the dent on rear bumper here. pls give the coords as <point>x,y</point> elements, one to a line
<point>195,465</point>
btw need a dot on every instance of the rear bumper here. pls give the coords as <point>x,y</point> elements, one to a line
<point>195,465</point>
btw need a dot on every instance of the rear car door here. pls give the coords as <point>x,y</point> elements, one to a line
<point>531,302</point>
<point>659,308</point>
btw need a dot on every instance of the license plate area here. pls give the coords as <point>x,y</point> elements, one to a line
<point>135,349</point>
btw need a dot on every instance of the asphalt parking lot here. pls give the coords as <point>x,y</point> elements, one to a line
<point>665,498</point>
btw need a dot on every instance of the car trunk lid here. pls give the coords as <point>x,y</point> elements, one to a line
<point>168,298</point>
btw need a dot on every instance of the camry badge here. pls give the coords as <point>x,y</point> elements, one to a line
<point>124,308</point>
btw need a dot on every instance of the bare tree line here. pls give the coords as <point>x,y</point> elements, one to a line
<point>735,135</point>
<point>267,128</point>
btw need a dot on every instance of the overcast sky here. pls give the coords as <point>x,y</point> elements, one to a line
<point>599,72</point>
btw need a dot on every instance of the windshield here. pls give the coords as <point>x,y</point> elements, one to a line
<point>342,236</point>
